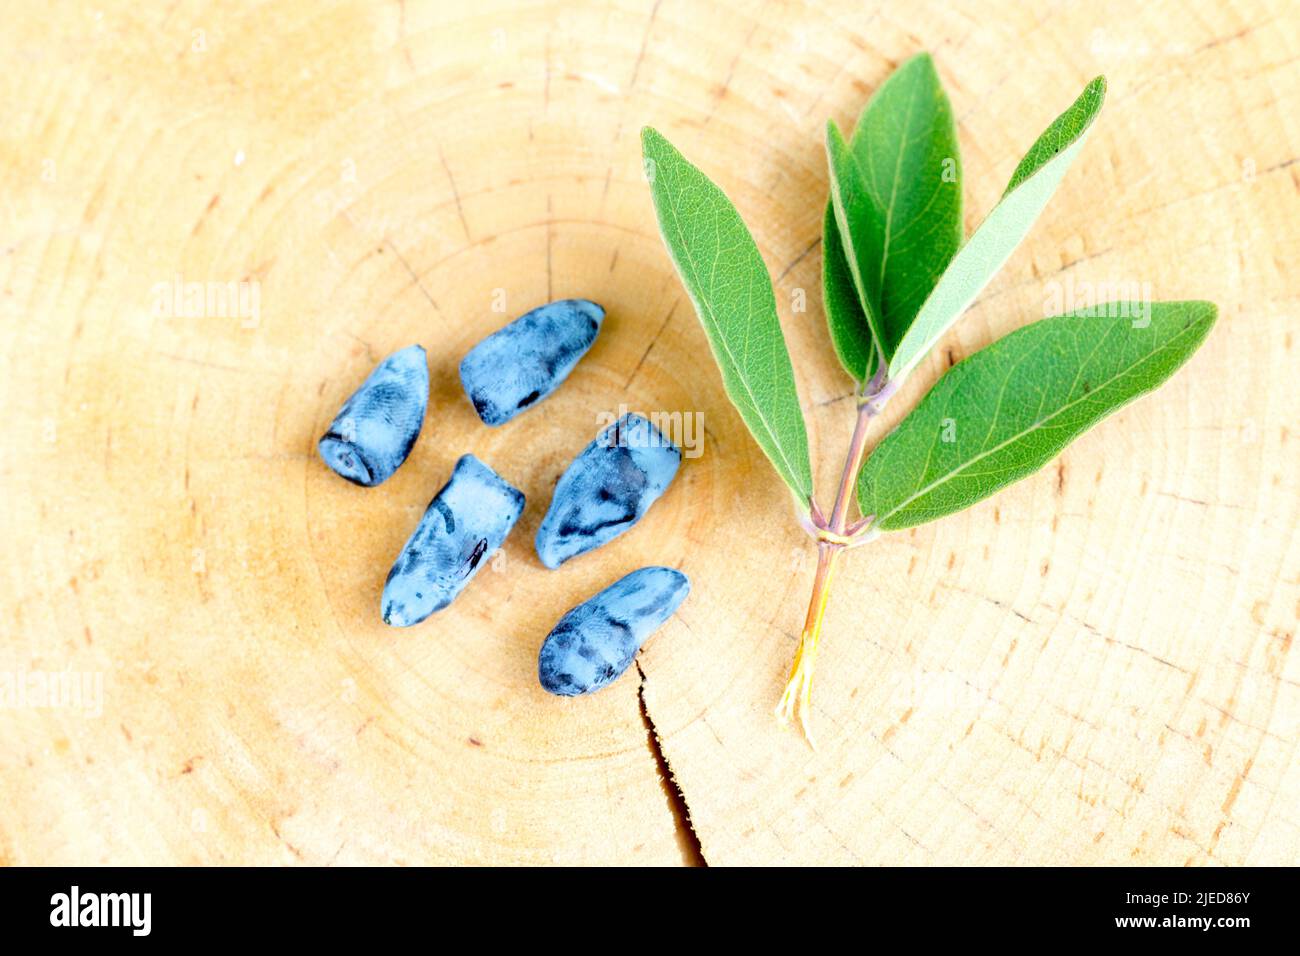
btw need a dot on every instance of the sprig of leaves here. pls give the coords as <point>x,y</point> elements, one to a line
<point>895,278</point>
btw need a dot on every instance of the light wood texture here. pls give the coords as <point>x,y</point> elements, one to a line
<point>1096,666</point>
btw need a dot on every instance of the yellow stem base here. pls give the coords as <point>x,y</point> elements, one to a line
<point>796,701</point>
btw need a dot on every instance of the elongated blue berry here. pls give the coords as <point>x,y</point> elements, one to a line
<point>461,529</point>
<point>519,365</point>
<point>596,641</point>
<point>607,489</point>
<point>373,432</point>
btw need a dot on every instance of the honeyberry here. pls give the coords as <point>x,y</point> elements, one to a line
<point>596,641</point>
<point>464,525</point>
<point>375,429</point>
<point>517,366</point>
<point>607,489</point>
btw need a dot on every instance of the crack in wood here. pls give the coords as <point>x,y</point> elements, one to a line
<point>687,838</point>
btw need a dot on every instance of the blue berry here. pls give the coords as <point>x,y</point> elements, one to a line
<point>596,641</point>
<point>461,529</point>
<point>373,432</point>
<point>519,365</point>
<point>607,489</point>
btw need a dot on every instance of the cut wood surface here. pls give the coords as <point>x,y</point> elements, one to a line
<point>1095,666</point>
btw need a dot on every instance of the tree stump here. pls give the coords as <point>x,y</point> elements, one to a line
<point>1092,667</point>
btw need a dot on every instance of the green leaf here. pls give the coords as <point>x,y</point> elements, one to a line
<point>899,183</point>
<point>856,219</point>
<point>850,333</point>
<point>1010,408</point>
<point>728,283</point>
<point>1032,185</point>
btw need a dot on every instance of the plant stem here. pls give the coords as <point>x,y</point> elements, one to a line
<point>852,463</point>
<point>797,698</point>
